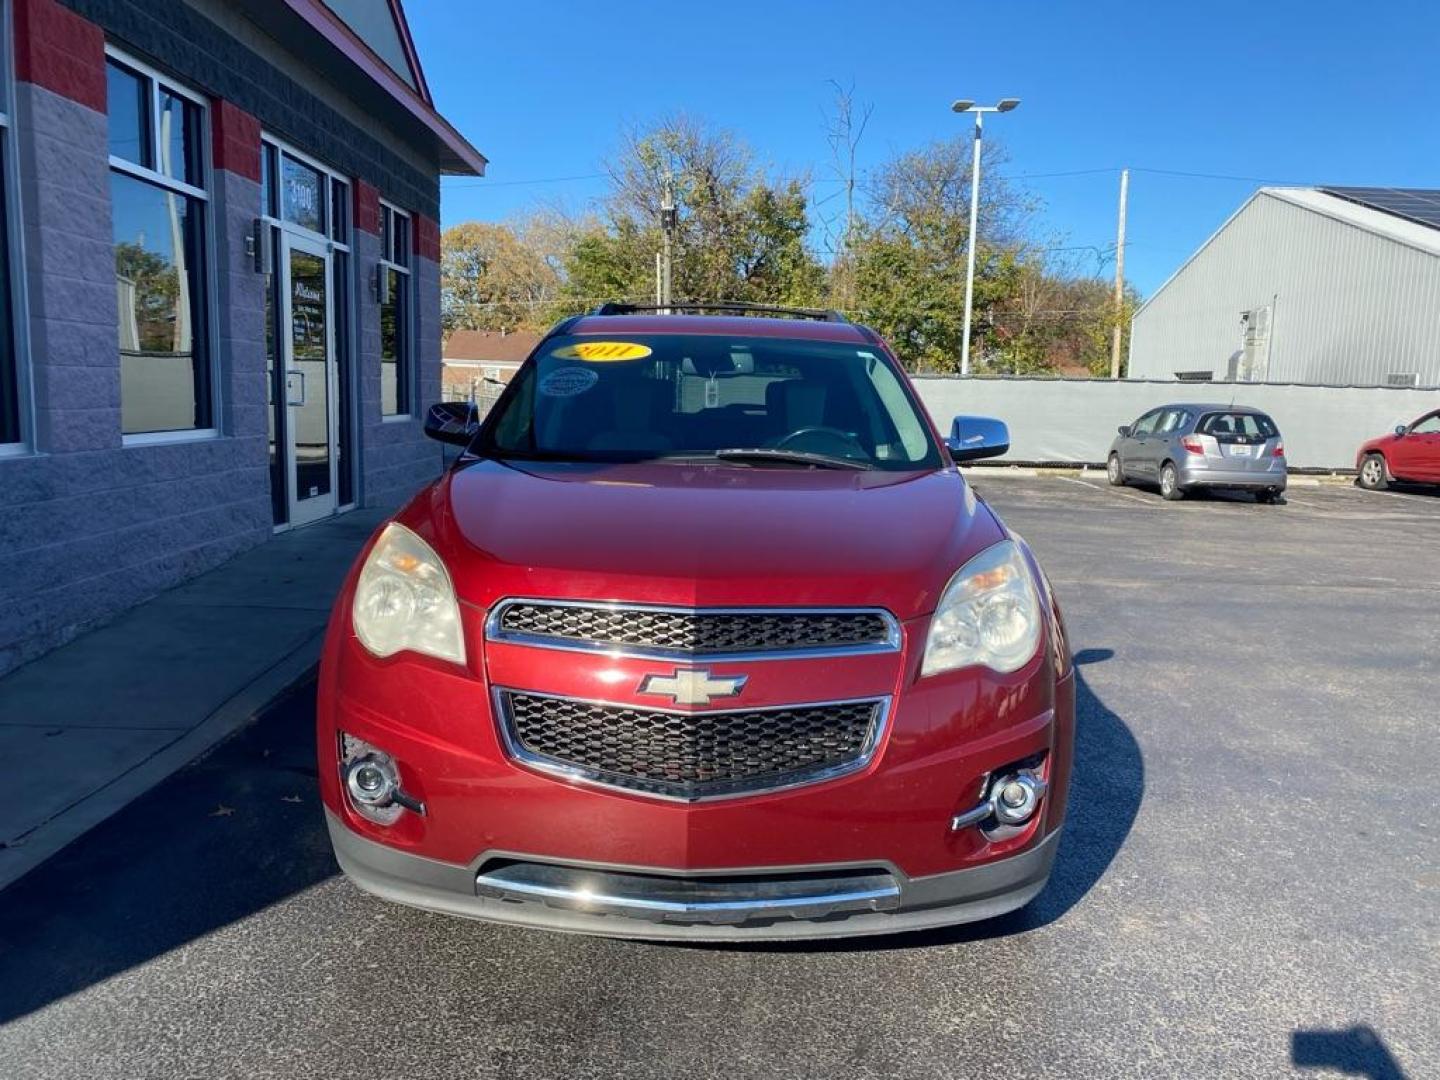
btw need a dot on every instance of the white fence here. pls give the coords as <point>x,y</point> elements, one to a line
<point>1074,420</point>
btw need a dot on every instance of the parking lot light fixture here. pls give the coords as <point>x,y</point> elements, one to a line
<point>965,106</point>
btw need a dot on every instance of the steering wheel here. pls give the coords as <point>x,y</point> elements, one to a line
<point>819,439</point>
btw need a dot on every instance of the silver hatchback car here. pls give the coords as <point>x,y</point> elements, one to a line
<point>1185,446</point>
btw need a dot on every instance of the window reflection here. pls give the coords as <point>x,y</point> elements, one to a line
<point>157,245</point>
<point>128,102</point>
<point>179,138</point>
<point>393,399</point>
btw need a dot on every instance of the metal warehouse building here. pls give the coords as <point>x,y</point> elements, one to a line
<point>1330,286</point>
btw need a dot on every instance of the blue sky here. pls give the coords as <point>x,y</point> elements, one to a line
<point>1281,92</point>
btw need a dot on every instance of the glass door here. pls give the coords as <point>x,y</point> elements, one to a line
<point>308,335</point>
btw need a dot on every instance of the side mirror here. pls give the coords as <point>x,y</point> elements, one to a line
<point>975,437</point>
<point>1125,430</point>
<point>453,422</point>
<point>1401,429</point>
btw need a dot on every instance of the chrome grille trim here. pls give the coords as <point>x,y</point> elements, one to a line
<point>888,641</point>
<point>600,778</point>
<point>718,902</point>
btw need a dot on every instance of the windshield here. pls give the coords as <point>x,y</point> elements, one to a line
<point>758,401</point>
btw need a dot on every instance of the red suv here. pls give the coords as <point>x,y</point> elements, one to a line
<point>1411,454</point>
<point>702,636</point>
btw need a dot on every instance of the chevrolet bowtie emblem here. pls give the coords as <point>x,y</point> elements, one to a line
<point>692,686</point>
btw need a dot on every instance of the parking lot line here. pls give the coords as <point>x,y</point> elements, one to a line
<point>1402,495</point>
<point>1112,490</point>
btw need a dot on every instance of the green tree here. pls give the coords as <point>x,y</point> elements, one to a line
<point>491,278</point>
<point>740,234</point>
<point>907,255</point>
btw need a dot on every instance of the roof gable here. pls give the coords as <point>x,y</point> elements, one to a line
<point>380,24</point>
<point>1337,207</point>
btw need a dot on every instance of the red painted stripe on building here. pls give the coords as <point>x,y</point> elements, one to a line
<point>427,238</point>
<point>367,207</point>
<point>59,50</point>
<point>235,140</point>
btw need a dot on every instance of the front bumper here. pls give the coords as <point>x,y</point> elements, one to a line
<point>920,903</point>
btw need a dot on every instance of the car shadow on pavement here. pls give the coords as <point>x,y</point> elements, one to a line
<point>229,835</point>
<point>1356,1051</point>
<point>1106,789</point>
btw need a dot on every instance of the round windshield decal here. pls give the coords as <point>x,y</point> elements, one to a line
<point>568,382</point>
<point>602,351</point>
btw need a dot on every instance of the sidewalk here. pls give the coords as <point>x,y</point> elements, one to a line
<point>96,723</point>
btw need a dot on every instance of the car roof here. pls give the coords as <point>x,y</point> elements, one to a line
<point>721,326</point>
<point>1200,407</point>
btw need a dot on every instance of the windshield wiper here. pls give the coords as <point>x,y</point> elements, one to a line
<point>793,457</point>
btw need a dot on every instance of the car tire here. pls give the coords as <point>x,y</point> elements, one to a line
<point>1114,471</point>
<point>1170,483</point>
<point>1373,476</point>
<point>1270,497</point>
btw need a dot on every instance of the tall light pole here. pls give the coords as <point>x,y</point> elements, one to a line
<point>1003,105</point>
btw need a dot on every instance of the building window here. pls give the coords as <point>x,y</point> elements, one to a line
<point>394,278</point>
<point>158,205</point>
<point>11,432</point>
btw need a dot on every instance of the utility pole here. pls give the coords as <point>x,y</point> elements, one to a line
<point>1119,276</point>
<point>667,228</point>
<point>659,279</point>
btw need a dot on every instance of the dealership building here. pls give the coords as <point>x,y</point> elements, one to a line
<point>220,313</point>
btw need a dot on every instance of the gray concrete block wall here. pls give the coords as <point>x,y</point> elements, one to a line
<point>201,50</point>
<point>88,525</point>
<point>397,459</point>
<point>62,151</point>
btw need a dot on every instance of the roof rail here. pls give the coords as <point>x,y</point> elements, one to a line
<point>738,307</point>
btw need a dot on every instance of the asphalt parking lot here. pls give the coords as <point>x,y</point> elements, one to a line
<point>1249,884</point>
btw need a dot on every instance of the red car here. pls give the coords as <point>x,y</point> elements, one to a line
<point>702,636</point>
<point>1411,454</point>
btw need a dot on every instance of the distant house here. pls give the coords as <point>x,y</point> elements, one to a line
<point>478,363</point>
<point>1336,286</point>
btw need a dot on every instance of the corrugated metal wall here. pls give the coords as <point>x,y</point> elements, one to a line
<point>1348,307</point>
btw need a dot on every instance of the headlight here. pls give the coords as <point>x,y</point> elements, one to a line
<point>404,600</point>
<point>989,614</point>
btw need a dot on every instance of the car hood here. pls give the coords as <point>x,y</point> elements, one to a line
<point>703,534</point>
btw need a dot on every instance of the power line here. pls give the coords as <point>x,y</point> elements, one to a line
<point>483,183</point>
<point>1221,176</point>
<point>562,301</point>
<point>1070,172</point>
<point>525,183</point>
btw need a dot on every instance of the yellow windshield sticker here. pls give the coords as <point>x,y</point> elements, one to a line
<point>602,351</point>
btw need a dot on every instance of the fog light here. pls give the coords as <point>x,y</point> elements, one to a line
<point>372,780</point>
<point>1016,798</point>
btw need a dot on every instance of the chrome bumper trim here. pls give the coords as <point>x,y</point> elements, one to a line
<point>979,892</point>
<point>688,900</point>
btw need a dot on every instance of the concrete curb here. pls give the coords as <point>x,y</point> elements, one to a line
<point>240,709</point>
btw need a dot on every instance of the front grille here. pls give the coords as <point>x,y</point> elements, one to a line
<point>671,632</point>
<point>690,755</point>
